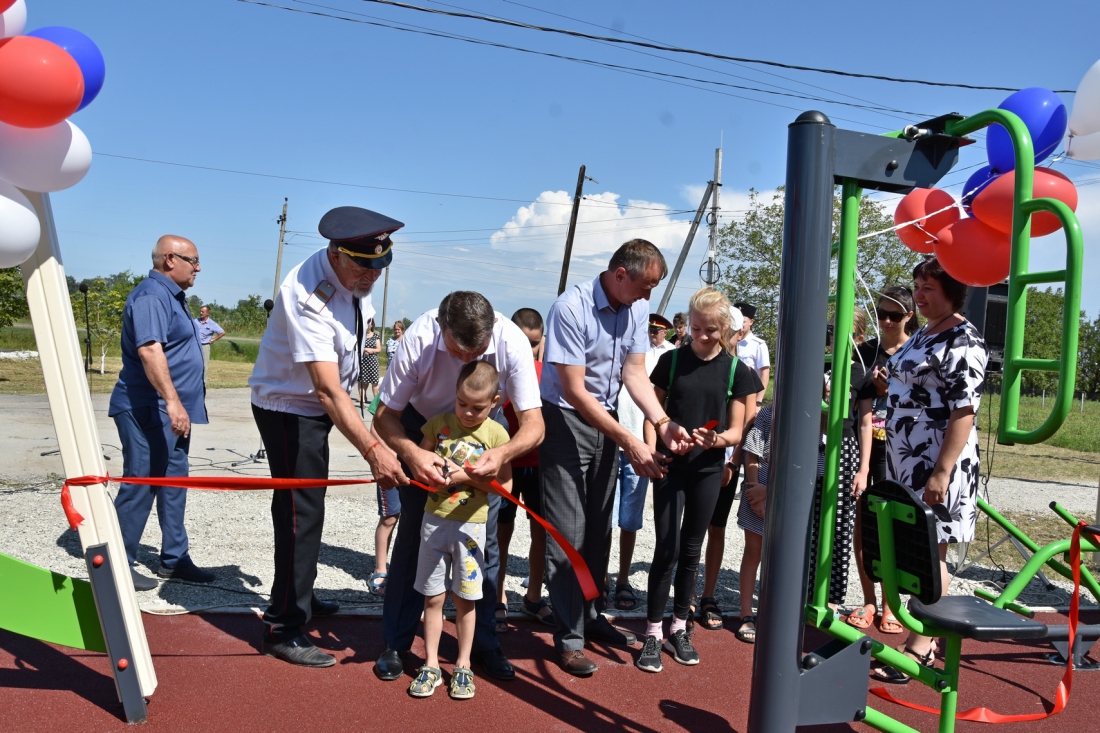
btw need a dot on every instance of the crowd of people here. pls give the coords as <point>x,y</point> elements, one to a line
<point>577,414</point>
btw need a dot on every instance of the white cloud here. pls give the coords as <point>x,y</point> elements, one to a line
<point>539,231</point>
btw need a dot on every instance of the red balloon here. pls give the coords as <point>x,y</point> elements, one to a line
<point>5,4</point>
<point>994,204</point>
<point>974,253</point>
<point>918,204</point>
<point>40,84</point>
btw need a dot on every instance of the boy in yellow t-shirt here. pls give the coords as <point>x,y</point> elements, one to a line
<point>452,535</point>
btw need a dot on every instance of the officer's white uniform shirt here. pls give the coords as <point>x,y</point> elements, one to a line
<point>423,374</point>
<point>304,328</point>
<point>754,352</point>
<point>630,415</point>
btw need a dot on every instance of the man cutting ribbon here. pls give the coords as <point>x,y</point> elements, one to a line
<point>307,365</point>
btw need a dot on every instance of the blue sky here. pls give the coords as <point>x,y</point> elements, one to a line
<point>226,84</point>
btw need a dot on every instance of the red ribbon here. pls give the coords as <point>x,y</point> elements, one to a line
<point>1061,697</point>
<point>260,483</point>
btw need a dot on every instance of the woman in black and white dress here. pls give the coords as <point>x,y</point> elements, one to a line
<point>368,363</point>
<point>935,388</point>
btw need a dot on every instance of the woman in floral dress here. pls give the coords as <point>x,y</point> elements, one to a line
<point>935,387</point>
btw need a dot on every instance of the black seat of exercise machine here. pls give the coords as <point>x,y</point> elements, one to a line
<point>916,553</point>
<point>973,618</point>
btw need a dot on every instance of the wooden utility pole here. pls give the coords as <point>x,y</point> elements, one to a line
<point>279,261</point>
<point>572,229</point>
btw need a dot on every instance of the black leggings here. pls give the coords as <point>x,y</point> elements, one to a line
<point>691,496</point>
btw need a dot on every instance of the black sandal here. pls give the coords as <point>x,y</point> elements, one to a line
<point>710,615</point>
<point>501,618</point>
<point>893,676</point>
<point>747,635</point>
<point>625,600</point>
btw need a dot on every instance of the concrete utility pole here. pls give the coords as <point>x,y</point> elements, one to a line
<point>279,261</point>
<point>572,228</point>
<point>710,273</point>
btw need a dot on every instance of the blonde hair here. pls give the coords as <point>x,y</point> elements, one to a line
<point>711,300</point>
<point>859,324</point>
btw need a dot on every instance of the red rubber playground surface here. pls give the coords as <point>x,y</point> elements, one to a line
<point>212,678</point>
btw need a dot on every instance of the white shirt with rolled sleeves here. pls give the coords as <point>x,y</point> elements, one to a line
<point>303,328</point>
<point>754,353</point>
<point>630,415</point>
<point>582,329</point>
<point>424,374</point>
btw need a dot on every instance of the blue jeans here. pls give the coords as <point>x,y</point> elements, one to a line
<point>630,498</point>
<point>150,448</point>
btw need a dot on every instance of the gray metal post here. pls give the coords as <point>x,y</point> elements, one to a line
<point>804,291</point>
<point>279,261</point>
<point>687,247</point>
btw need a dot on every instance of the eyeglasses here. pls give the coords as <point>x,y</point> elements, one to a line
<point>656,329</point>
<point>892,316</point>
<point>194,261</point>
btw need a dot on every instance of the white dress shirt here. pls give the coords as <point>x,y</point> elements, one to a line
<point>630,415</point>
<point>754,352</point>
<point>303,328</point>
<point>423,373</point>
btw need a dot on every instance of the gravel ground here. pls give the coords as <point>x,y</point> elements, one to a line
<point>230,532</point>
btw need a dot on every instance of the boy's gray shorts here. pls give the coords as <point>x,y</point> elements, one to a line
<point>450,551</point>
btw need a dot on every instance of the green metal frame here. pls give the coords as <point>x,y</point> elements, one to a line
<point>836,408</point>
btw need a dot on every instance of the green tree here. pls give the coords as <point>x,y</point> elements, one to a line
<point>106,302</point>
<point>1042,336</point>
<point>750,251</point>
<point>1088,356</point>
<point>13,297</point>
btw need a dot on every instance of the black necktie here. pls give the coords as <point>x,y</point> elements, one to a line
<point>358,337</point>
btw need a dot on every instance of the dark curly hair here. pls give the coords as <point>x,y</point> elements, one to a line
<point>931,269</point>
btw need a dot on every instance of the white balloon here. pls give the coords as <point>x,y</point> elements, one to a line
<point>44,158</point>
<point>1085,117</point>
<point>19,227</point>
<point>1083,147</point>
<point>13,20</point>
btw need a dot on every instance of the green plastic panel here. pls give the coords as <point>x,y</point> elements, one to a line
<point>48,606</point>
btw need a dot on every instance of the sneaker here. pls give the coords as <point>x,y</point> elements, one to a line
<point>427,679</point>
<point>679,645</point>
<point>526,582</point>
<point>462,683</point>
<point>650,658</point>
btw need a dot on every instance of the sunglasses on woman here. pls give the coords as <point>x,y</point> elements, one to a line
<point>892,316</point>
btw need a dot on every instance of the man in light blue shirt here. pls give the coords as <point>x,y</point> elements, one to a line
<point>209,332</point>
<point>596,340</point>
<point>159,396</point>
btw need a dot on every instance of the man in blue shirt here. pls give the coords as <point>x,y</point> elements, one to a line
<point>159,395</point>
<point>596,340</point>
<point>209,332</point>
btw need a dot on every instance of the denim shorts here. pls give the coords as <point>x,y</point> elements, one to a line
<point>629,497</point>
<point>389,502</point>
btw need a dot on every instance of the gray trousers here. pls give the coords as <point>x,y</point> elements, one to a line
<point>205,359</point>
<point>578,466</point>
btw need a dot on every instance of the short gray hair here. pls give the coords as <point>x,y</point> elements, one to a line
<point>468,317</point>
<point>635,257</point>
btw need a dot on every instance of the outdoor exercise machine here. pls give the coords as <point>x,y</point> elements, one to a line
<point>830,685</point>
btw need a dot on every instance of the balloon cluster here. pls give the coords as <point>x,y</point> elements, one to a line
<point>45,76</point>
<point>977,249</point>
<point>1084,122</point>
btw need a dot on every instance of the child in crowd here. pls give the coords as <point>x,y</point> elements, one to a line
<point>452,535</point>
<point>704,388</point>
<point>389,511</point>
<point>525,486</point>
<point>750,514</point>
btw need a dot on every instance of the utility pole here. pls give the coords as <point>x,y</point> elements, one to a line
<point>710,273</point>
<point>279,261</point>
<point>572,228</point>
<point>687,247</point>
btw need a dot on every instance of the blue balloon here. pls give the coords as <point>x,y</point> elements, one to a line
<point>1045,116</point>
<point>84,51</point>
<point>977,182</point>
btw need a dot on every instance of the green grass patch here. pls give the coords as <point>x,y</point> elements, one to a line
<point>230,349</point>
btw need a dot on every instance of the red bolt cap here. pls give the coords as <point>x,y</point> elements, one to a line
<point>123,663</point>
<point>97,560</point>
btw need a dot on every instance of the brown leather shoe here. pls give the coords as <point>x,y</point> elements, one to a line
<point>575,663</point>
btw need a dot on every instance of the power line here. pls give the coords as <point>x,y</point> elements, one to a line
<point>374,188</point>
<point>695,52</point>
<point>632,71</point>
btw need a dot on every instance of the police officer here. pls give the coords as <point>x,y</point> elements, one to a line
<point>307,365</point>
